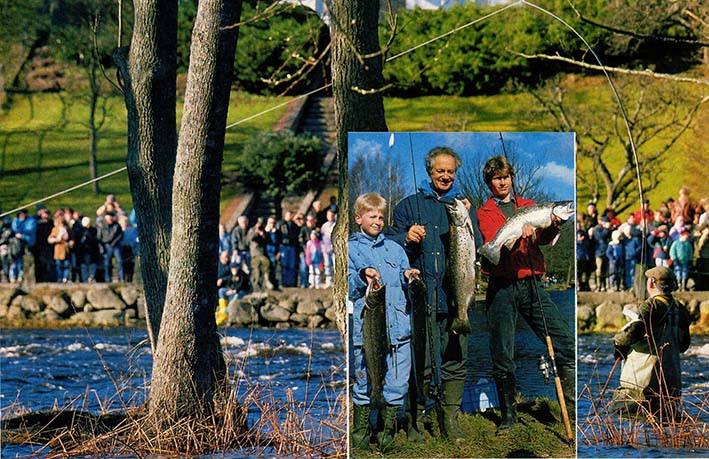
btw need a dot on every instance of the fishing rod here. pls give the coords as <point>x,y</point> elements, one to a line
<point>436,377</point>
<point>550,345</point>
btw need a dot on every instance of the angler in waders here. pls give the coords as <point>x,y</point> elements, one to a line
<point>421,226</point>
<point>381,331</point>
<point>515,289</point>
<point>651,374</point>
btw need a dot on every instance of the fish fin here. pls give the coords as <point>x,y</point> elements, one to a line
<point>461,327</point>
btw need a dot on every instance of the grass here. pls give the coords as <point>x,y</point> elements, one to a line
<point>44,148</point>
<point>538,433</point>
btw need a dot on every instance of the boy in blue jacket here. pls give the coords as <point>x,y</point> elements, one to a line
<point>373,257</point>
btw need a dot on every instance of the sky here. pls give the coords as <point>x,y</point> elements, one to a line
<point>553,151</point>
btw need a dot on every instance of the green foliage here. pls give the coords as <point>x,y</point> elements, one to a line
<point>275,43</point>
<point>281,162</point>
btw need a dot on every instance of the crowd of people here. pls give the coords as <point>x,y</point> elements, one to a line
<point>676,237</point>
<point>69,246</point>
<point>296,251</point>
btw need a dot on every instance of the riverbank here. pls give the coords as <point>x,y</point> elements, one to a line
<point>115,305</point>
<point>603,311</point>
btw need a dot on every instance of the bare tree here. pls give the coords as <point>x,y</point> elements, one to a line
<point>357,76</point>
<point>658,115</point>
<point>180,208</point>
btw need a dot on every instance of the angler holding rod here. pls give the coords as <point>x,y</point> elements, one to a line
<point>421,226</point>
<point>515,288</point>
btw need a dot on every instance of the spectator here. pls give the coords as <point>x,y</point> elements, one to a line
<point>659,243</point>
<point>109,205</point>
<point>590,218</point>
<point>610,213</point>
<point>59,238</point>
<point>25,228</point>
<point>584,259</point>
<point>600,235</point>
<point>682,255</point>
<point>327,249</point>
<point>110,235</point>
<point>303,239</point>
<point>644,216</point>
<point>662,217</point>
<point>702,252</point>
<point>320,214</point>
<point>43,251</point>
<point>129,247</point>
<point>6,238</point>
<point>289,230</point>
<point>273,247</point>
<point>333,204</point>
<point>224,240</point>
<point>684,207</point>
<point>256,238</point>
<point>87,249</point>
<point>632,250</point>
<point>239,243</point>
<point>616,260</point>
<point>314,258</point>
<point>678,228</point>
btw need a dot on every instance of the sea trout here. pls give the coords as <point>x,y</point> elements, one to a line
<point>539,216</point>
<point>419,334</point>
<point>461,265</point>
<point>375,340</point>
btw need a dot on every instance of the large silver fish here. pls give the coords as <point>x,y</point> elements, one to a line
<point>461,264</point>
<point>539,216</point>
<point>375,340</point>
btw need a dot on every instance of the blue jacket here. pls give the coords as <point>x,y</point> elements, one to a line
<point>26,227</point>
<point>389,259</point>
<point>614,253</point>
<point>429,257</point>
<point>584,248</point>
<point>600,237</point>
<point>633,246</point>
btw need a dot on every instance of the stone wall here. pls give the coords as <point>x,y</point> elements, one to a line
<point>603,311</point>
<point>113,305</point>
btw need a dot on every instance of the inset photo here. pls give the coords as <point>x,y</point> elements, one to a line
<point>461,290</point>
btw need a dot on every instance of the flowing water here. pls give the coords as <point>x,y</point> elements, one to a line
<point>102,369</point>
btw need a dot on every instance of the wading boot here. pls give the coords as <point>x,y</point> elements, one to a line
<point>507,394</point>
<point>221,315</point>
<point>359,432</point>
<point>414,426</point>
<point>567,375</point>
<point>452,398</point>
<point>385,438</point>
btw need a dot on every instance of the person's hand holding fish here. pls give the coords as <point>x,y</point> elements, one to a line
<point>371,274</point>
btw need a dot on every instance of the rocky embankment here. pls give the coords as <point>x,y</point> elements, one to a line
<point>603,311</point>
<point>115,305</point>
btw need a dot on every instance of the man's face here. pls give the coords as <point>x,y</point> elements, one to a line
<point>501,185</point>
<point>310,222</point>
<point>443,173</point>
<point>371,222</point>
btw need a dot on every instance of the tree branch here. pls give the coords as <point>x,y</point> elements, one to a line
<point>646,72</point>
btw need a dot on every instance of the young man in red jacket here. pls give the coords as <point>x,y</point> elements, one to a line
<point>512,292</point>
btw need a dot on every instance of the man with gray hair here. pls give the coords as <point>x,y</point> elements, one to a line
<point>239,244</point>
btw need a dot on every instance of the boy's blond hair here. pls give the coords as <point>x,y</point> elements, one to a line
<point>369,201</point>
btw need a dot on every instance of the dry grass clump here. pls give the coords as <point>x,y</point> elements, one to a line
<point>677,424</point>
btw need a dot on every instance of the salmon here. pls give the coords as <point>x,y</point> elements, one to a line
<point>461,265</point>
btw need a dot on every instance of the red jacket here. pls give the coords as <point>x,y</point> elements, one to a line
<point>514,264</point>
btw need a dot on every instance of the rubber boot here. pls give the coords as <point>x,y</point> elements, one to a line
<point>221,315</point>
<point>385,438</point>
<point>452,398</point>
<point>360,432</point>
<point>567,375</point>
<point>507,394</point>
<point>414,425</point>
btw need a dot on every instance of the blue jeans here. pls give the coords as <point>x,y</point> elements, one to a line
<point>303,271</point>
<point>289,263</point>
<point>681,271</point>
<point>396,380</point>
<point>108,253</point>
<point>63,270</point>
<point>15,270</point>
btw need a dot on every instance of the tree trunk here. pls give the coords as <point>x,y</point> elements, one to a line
<point>149,74</point>
<point>354,34</point>
<point>188,362</point>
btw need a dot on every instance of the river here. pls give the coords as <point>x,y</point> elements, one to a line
<point>103,369</point>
